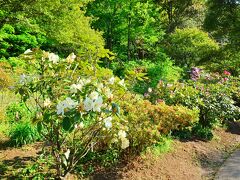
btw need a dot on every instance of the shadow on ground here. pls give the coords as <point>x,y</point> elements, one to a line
<point>8,166</point>
<point>12,159</point>
<point>234,127</point>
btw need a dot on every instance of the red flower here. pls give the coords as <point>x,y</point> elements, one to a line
<point>226,73</point>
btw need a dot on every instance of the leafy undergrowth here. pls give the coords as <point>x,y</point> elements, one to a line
<point>6,97</point>
<point>171,159</point>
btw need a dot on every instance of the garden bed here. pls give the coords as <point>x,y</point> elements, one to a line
<point>185,160</point>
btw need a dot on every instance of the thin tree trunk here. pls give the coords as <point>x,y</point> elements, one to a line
<point>129,32</point>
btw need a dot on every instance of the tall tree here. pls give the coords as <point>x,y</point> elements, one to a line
<point>63,23</point>
<point>223,20</point>
<point>131,28</point>
<point>177,12</point>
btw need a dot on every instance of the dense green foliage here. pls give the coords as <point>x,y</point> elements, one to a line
<point>222,19</point>
<point>57,25</point>
<point>132,29</point>
<point>22,133</point>
<point>213,95</point>
<point>129,73</point>
<point>191,47</point>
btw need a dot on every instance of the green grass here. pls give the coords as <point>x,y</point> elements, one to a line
<point>6,97</point>
<point>23,133</point>
<point>164,145</point>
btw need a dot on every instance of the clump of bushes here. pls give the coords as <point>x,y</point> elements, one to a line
<point>147,121</point>
<point>144,73</point>
<point>86,111</point>
<point>214,96</point>
<point>191,47</point>
<point>90,115</point>
<point>228,58</point>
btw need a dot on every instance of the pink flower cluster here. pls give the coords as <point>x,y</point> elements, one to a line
<point>227,73</point>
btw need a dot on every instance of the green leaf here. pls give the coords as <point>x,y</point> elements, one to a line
<point>39,127</point>
<point>67,124</point>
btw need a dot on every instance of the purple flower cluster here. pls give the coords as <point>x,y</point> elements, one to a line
<point>195,73</point>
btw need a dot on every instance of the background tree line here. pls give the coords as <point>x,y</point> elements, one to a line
<point>189,33</point>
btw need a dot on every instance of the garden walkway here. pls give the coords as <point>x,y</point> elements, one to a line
<point>231,168</point>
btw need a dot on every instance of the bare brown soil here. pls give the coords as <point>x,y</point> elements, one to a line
<point>190,160</point>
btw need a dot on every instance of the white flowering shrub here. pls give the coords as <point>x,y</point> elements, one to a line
<point>75,112</point>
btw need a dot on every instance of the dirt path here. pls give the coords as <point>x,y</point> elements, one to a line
<point>231,168</point>
<point>192,160</point>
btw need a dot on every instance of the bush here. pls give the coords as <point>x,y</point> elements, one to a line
<point>144,74</point>
<point>15,39</point>
<point>228,59</point>
<point>191,46</point>
<point>147,122</point>
<point>214,98</point>
<point>5,76</point>
<point>202,132</point>
<point>23,133</point>
<point>75,106</point>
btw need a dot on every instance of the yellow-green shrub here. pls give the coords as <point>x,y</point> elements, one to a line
<point>170,118</point>
<point>147,122</point>
<point>5,78</point>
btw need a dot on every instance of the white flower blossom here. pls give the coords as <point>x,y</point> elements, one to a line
<point>60,108</point>
<point>88,104</point>
<point>94,95</point>
<point>67,153</point>
<point>97,104</point>
<point>67,103</point>
<point>108,122</point>
<point>100,86</point>
<point>53,58</point>
<point>71,58</point>
<point>121,82</point>
<point>169,85</point>
<point>149,90</point>
<point>81,125</point>
<point>108,92</point>
<point>122,134</point>
<point>111,80</point>
<point>125,143</point>
<point>28,51</point>
<point>75,87</point>
<point>87,81</point>
<point>81,82</point>
<point>47,103</point>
